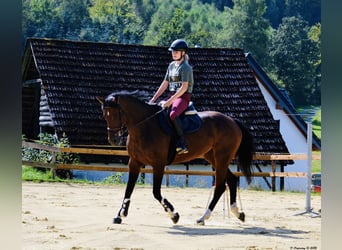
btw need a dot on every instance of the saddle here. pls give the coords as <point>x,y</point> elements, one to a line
<point>190,121</point>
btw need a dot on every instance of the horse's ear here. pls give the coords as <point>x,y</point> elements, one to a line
<point>100,99</point>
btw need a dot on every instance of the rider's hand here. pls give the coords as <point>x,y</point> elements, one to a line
<point>162,104</point>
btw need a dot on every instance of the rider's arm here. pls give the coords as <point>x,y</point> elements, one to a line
<point>163,86</point>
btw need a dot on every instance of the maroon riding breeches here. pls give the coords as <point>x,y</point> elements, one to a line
<point>180,105</point>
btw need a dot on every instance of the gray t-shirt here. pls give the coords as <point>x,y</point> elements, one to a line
<point>178,74</point>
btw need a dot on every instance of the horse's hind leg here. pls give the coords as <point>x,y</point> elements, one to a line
<point>158,173</point>
<point>232,184</point>
<point>220,187</point>
<point>133,174</point>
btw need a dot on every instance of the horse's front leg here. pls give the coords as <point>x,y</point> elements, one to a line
<point>158,173</point>
<point>232,184</point>
<point>134,169</point>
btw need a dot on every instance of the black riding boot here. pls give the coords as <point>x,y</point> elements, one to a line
<point>181,147</point>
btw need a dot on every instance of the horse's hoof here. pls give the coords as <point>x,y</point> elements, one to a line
<point>200,222</point>
<point>242,217</point>
<point>175,218</point>
<point>117,220</point>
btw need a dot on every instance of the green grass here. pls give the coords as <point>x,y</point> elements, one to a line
<point>41,175</point>
<point>316,164</point>
<point>34,174</point>
<point>316,128</point>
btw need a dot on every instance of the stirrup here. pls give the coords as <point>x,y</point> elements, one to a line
<point>182,150</point>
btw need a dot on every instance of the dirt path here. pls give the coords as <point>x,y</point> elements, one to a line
<point>73,216</point>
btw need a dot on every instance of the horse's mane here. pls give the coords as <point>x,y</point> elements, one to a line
<point>140,95</point>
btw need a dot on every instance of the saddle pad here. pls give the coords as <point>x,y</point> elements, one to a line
<point>190,122</point>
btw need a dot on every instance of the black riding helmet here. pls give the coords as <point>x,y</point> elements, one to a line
<point>179,44</point>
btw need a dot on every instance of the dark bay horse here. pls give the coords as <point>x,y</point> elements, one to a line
<point>218,141</point>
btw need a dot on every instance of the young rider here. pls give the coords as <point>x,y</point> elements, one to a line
<point>179,81</point>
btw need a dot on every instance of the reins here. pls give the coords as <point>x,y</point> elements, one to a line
<point>135,125</point>
<point>148,118</point>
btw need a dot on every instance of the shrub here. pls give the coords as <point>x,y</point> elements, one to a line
<point>41,155</point>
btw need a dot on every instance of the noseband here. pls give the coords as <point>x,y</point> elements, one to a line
<point>121,127</point>
<point>115,130</point>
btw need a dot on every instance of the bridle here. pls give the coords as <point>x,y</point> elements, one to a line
<point>118,128</point>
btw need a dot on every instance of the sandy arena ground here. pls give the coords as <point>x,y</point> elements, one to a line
<point>76,216</point>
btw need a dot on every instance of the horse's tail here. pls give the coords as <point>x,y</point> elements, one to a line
<point>245,152</point>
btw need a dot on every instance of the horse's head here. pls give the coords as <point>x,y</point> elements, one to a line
<point>112,114</point>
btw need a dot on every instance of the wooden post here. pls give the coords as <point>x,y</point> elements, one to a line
<point>238,177</point>
<point>213,180</point>
<point>282,179</point>
<point>167,178</point>
<point>187,176</point>
<point>142,176</point>
<point>273,177</point>
<point>264,177</point>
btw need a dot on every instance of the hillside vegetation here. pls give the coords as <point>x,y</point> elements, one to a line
<point>283,36</point>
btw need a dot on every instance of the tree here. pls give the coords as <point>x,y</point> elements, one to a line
<point>219,4</point>
<point>309,10</point>
<point>275,12</point>
<point>206,25</point>
<point>196,22</point>
<point>173,29</point>
<point>293,55</point>
<point>165,23</point>
<point>145,9</point>
<point>315,36</point>
<point>40,19</point>
<point>74,16</point>
<point>115,21</point>
<point>246,28</point>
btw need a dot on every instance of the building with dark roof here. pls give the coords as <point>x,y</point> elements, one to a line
<point>62,78</point>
